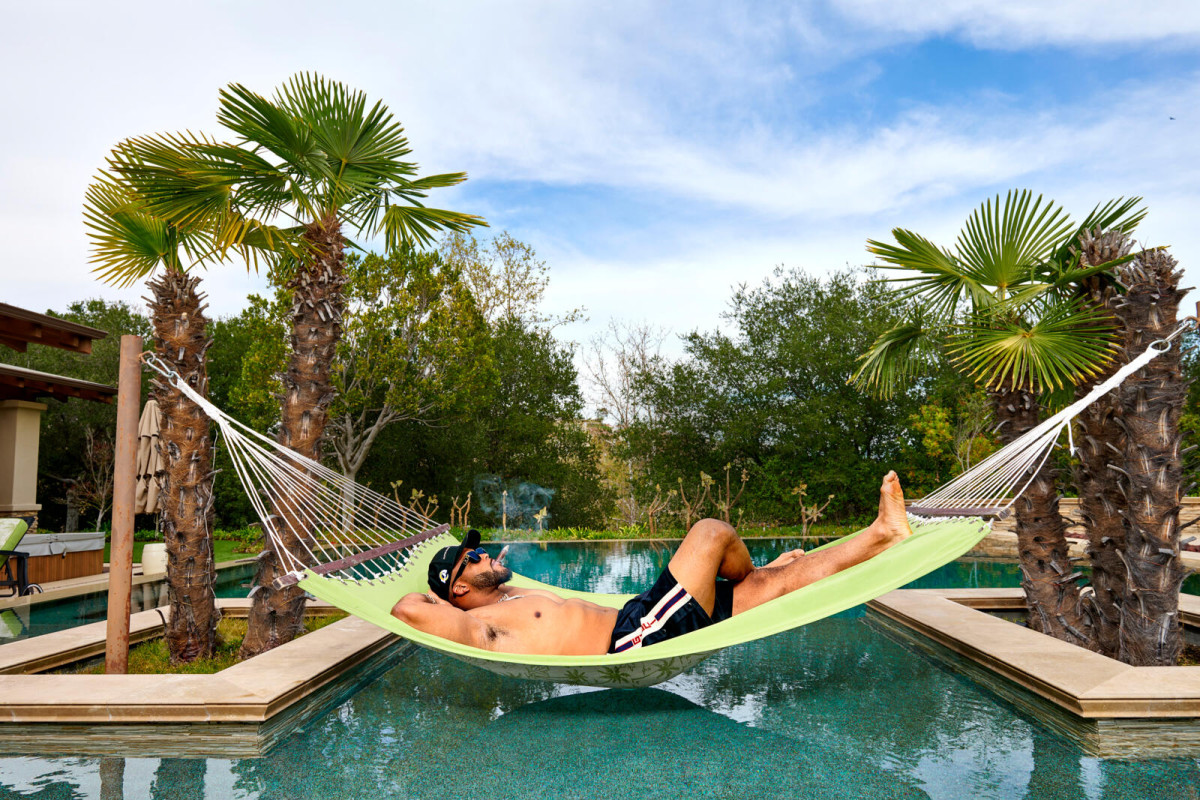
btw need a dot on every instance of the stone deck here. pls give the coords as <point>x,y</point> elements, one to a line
<point>241,711</point>
<point>1110,709</point>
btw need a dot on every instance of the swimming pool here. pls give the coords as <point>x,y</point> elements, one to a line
<point>834,709</point>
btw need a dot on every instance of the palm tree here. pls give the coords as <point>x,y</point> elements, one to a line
<point>1151,401</point>
<point>1006,305</point>
<point>1100,440</point>
<point>130,244</point>
<point>321,161</point>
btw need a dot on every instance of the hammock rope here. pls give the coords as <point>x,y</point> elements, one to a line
<point>362,550</point>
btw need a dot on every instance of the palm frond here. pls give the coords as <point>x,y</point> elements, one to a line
<point>897,358</point>
<point>127,242</point>
<point>266,125</point>
<point>942,283</point>
<point>1003,245</point>
<point>1067,342</point>
<point>363,148</point>
<point>417,225</point>
<point>1122,214</point>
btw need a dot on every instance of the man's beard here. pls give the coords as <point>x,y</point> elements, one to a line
<point>490,579</point>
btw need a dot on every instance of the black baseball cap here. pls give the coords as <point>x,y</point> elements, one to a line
<point>444,560</point>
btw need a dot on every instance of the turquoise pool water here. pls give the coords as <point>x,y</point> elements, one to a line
<point>833,710</point>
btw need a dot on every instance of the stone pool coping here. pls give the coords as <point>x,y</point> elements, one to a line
<point>1087,684</point>
<point>1110,709</point>
<point>251,692</point>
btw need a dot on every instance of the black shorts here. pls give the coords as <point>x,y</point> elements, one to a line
<point>665,611</point>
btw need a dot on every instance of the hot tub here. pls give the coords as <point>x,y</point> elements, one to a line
<point>58,556</point>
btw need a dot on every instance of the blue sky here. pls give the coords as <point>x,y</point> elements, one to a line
<point>655,154</point>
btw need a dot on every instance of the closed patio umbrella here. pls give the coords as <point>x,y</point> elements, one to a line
<point>147,500</point>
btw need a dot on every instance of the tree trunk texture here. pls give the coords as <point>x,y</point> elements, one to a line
<point>182,341</point>
<point>1101,445</point>
<point>1051,594</point>
<point>277,615</point>
<point>1151,401</point>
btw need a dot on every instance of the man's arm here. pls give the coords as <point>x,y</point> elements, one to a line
<point>430,614</point>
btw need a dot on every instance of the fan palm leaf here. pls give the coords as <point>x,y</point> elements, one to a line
<point>127,242</point>
<point>898,357</point>
<point>1066,342</point>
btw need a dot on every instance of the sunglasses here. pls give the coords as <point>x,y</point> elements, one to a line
<point>469,557</point>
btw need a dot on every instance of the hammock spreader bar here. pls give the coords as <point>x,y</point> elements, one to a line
<point>292,578</point>
<point>983,512</point>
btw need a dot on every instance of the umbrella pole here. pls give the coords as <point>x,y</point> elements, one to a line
<point>120,560</point>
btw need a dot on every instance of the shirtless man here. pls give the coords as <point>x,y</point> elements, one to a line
<point>471,603</point>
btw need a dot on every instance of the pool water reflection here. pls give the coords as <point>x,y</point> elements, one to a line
<point>833,709</point>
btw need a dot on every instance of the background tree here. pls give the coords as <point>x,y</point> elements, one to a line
<point>506,278</point>
<point>245,365</point>
<point>319,160</point>
<point>771,396</point>
<point>1004,303</point>
<point>520,424</point>
<point>413,349</point>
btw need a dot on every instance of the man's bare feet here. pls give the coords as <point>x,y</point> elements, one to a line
<point>892,521</point>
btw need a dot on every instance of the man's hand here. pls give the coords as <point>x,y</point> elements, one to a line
<point>786,558</point>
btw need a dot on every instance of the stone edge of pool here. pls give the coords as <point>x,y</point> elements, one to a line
<point>1110,709</point>
<point>241,708</point>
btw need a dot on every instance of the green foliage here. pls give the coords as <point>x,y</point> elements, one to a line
<point>772,397</point>
<point>244,363</point>
<point>414,347</point>
<point>315,150</point>
<point>505,276</point>
<point>152,658</point>
<point>520,422</point>
<point>1006,301</point>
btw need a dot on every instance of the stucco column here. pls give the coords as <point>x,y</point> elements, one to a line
<point>20,425</point>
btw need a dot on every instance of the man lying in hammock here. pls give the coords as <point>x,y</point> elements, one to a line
<point>472,604</point>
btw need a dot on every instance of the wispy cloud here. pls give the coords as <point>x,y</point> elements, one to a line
<point>1016,24</point>
<point>649,150</point>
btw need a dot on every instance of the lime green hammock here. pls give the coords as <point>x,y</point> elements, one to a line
<point>362,551</point>
<point>931,546</point>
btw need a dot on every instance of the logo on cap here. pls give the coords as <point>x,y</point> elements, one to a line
<point>444,575</point>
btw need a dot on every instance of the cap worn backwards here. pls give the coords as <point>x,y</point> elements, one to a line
<point>443,562</point>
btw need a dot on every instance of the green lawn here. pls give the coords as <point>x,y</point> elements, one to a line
<point>222,549</point>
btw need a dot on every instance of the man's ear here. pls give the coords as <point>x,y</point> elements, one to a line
<point>459,589</point>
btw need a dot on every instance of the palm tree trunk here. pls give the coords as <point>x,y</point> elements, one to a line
<point>1051,594</point>
<point>181,340</point>
<point>1151,401</point>
<point>1101,443</point>
<point>277,615</point>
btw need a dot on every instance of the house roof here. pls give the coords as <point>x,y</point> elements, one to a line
<point>18,383</point>
<point>19,327</point>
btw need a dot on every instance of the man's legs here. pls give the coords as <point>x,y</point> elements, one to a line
<point>710,550</point>
<point>889,528</point>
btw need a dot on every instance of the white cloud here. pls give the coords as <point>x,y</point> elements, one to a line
<point>1015,24</point>
<point>629,97</point>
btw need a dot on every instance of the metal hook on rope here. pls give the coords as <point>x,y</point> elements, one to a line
<point>153,362</point>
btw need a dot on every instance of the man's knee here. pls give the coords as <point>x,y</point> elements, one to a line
<point>712,532</point>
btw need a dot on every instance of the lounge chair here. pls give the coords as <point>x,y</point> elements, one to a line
<point>13,569</point>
